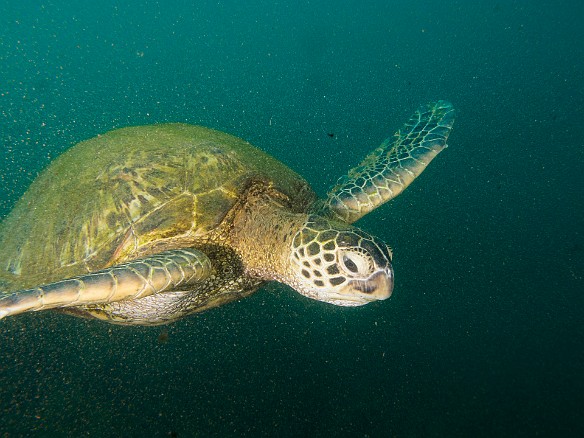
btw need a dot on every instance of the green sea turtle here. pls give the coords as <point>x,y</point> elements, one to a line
<point>145,225</point>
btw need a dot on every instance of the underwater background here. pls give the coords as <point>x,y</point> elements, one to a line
<point>484,333</point>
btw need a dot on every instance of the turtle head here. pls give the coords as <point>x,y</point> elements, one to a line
<point>339,264</point>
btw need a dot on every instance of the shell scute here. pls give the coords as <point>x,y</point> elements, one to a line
<point>131,191</point>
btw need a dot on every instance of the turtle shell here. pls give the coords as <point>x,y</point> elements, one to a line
<point>129,192</point>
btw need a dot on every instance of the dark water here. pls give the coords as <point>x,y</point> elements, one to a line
<point>484,333</point>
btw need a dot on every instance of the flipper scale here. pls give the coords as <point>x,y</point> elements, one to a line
<point>139,278</point>
<point>390,168</point>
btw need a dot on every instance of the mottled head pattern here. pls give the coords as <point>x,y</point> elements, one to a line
<point>339,264</point>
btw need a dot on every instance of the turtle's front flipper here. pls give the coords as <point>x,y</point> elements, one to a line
<point>388,170</point>
<point>139,278</point>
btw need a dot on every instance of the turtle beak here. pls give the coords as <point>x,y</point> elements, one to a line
<point>378,286</point>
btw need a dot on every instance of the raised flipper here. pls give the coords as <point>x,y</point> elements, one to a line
<point>390,168</point>
<point>166,271</point>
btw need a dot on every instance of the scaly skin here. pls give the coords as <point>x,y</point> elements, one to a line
<point>388,170</point>
<point>321,258</point>
<point>134,280</point>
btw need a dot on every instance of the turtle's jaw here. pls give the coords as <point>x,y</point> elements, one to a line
<point>378,286</point>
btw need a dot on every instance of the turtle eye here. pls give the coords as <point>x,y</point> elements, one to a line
<point>350,264</point>
<point>355,263</point>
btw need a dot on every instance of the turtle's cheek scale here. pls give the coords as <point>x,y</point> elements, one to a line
<point>339,264</point>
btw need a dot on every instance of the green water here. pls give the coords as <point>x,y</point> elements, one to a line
<point>484,333</point>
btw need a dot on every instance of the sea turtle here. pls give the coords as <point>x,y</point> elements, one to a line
<point>145,225</point>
